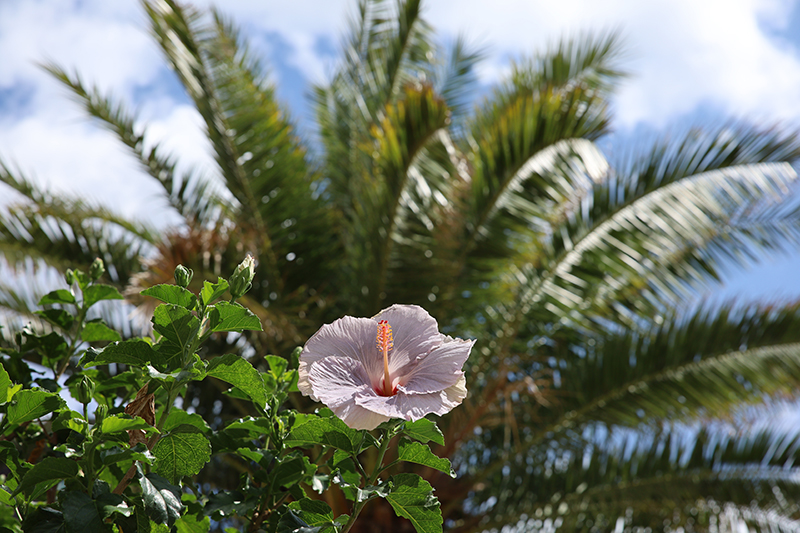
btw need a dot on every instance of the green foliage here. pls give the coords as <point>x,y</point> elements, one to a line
<point>119,448</point>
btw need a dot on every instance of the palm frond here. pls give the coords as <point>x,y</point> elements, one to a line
<point>272,160</point>
<point>704,365</point>
<point>69,233</point>
<point>190,195</point>
<point>649,476</point>
<point>456,79</point>
<point>633,228</point>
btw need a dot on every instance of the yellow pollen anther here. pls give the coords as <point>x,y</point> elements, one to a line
<point>385,343</point>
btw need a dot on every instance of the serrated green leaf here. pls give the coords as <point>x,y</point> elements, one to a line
<point>181,452</point>
<point>7,387</point>
<point>30,404</point>
<point>69,419</point>
<point>240,373</point>
<point>412,497</point>
<point>255,427</point>
<point>424,430</point>
<point>277,365</point>
<point>291,470</point>
<point>134,352</point>
<point>260,456</point>
<point>175,323</point>
<point>48,469</point>
<point>212,291</point>
<point>97,331</point>
<point>172,294</point>
<point>178,417</point>
<point>60,296</point>
<point>327,432</point>
<point>189,523</point>
<point>58,317</point>
<point>313,512</point>
<point>228,316</point>
<point>137,453</point>
<point>416,452</point>
<point>162,500</point>
<point>98,292</point>
<point>119,423</point>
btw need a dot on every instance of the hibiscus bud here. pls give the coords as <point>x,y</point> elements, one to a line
<point>100,414</point>
<point>69,276</point>
<point>183,276</point>
<point>242,278</point>
<point>84,389</point>
<point>97,269</point>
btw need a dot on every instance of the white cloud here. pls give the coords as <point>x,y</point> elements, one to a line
<point>682,53</point>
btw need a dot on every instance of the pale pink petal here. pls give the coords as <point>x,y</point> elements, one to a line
<point>457,392</point>
<point>349,337</point>
<point>439,369</point>
<point>337,382</point>
<point>356,417</point>
<point>415,334</point>
<point>412,406</point>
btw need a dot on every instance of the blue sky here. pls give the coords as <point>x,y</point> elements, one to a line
<point>691,62</point>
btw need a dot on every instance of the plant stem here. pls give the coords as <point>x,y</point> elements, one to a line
<point>374,477</point>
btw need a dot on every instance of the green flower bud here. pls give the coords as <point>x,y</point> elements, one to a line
<point>69,276</point>
<point>97,269</point>
<point>100,414</point>
<point>242,278</point>
<point>84,389</point>
<point>183,276</point>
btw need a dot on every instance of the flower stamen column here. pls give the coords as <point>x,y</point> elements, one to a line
<point>385,343</point>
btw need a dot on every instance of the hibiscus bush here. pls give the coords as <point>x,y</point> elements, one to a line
<point>96,434</point>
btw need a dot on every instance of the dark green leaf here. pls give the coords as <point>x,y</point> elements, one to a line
<point>291,470</point>
<point>44,520</point>
<point>95,293</point>
<point>58,317</point>
<point>30,404</point>
<point>97,331</point>
<point>137,453</point>
<point>175,323</point>
<point>134,352</point>
<point>424,430</point>
<point>412,497</point>
<point>60,296</point>
<point>181,452</point>
<point>254,427</point>
<point>233,369</point>
<point>416,452</point>
<point>313,512</point>
<point>48,469</point>
<point>81,514</point>
<point>228,316</point>
<point>327,432</point>
<point>172,294</point>
<point>162,500</point>
<point>179,417</point>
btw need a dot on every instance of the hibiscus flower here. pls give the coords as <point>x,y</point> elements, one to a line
<point>393,365</point>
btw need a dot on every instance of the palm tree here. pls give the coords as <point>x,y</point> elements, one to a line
<point>600,396</point>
